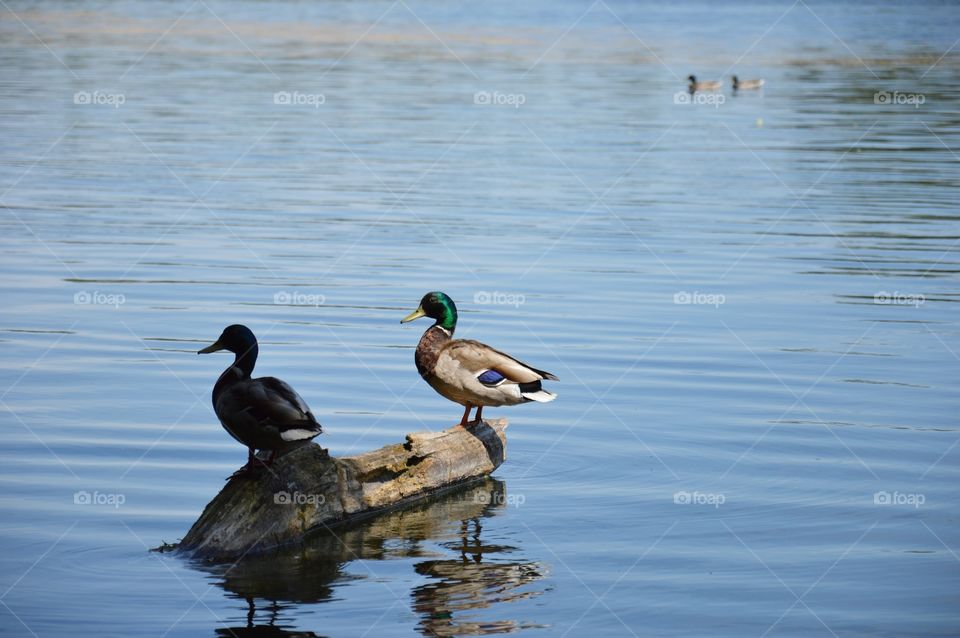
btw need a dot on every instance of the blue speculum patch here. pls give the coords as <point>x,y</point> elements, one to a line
<point>491,377</point>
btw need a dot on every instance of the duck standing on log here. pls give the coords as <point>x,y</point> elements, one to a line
<point>264,413</point>
<point>469,372</point>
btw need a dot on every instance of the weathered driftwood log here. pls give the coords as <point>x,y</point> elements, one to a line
<point>306,489</point>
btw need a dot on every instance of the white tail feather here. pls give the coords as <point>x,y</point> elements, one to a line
<point>298,435</point>
<point>541,396</point>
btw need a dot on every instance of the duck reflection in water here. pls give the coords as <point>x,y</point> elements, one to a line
<point>468,583</point>
<point>476,576</point>
<point>269,630</point>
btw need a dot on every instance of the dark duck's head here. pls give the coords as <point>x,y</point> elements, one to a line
<point>437,306</point>
<point>240,341</point>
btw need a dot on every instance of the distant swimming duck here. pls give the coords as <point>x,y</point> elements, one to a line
<point>746,85</point>
<point>469,372</point>
<point>706,85</point>
<point>262,414</point>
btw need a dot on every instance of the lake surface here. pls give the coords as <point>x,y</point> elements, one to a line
<point>751,301</point>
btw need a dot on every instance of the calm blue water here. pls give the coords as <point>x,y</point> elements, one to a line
<point>750,300</point>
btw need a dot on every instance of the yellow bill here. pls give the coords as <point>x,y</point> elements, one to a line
<point>416,314</point>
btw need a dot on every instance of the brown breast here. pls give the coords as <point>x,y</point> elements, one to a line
<point>428,350</point>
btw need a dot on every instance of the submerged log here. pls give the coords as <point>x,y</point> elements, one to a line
<point>306,489</point>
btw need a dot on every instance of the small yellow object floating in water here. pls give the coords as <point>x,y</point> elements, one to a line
<point>759,122</point>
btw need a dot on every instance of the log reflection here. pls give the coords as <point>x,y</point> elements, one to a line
<point>471,580</point>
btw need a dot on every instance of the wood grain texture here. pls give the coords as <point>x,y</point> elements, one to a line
<point>307,489</point>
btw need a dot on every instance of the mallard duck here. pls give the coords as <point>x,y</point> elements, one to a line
<point>705,85</point>
<point>745,85</point>
<point>264,413</point>
<point>469,372</point>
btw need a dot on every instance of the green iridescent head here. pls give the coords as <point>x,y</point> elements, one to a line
<point>438,306</point>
